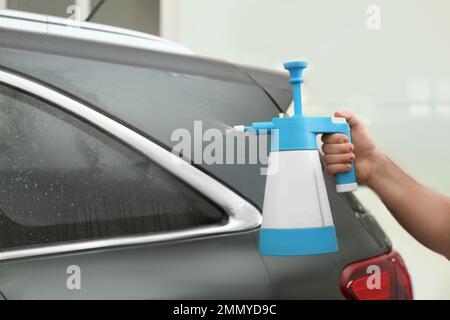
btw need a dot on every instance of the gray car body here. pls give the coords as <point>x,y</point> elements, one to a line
<point>218,266</point>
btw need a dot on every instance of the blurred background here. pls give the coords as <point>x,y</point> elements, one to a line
<point>388,61</point>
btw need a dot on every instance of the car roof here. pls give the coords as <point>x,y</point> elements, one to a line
<point>88,31</point>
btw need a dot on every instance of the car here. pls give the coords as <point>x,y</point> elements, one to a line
<point>93,205</point>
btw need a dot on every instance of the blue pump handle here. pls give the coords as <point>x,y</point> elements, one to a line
<point>349,177</point>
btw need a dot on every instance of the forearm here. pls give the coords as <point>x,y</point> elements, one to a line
<point>422,212</point>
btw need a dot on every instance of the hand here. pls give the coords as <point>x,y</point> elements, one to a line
<point>338,152</point>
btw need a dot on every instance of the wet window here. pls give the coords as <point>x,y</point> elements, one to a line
<point>162,93</point>
<point>62,180</point>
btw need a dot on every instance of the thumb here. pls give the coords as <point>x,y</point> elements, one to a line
<point>352,120</point>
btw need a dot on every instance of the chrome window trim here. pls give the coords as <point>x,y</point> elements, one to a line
<point>242,216</point>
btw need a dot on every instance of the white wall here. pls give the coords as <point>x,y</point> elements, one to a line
<point>397,78</point>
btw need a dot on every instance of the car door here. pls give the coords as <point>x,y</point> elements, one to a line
<point>91,209</point>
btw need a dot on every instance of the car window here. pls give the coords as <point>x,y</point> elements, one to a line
<point>62,180</point>
<point>162,93</point>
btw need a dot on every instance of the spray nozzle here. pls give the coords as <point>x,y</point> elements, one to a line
<point>258,127</point>
<point>240,129</point>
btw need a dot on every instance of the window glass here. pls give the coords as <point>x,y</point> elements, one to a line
<point>63,180</point>
<point>161,93</point>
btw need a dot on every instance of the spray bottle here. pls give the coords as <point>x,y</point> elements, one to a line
<point>297,218</point>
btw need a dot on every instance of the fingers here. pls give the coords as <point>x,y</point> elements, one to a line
<point>333,169</point>
<point>345,158</point>
<point>337,148</point>
<point>334,138</point>
<point>338,152</point>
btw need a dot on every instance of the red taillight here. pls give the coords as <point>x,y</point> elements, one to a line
<point>381,278</point>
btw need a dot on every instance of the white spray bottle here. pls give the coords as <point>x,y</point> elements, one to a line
<point>297,218</point>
